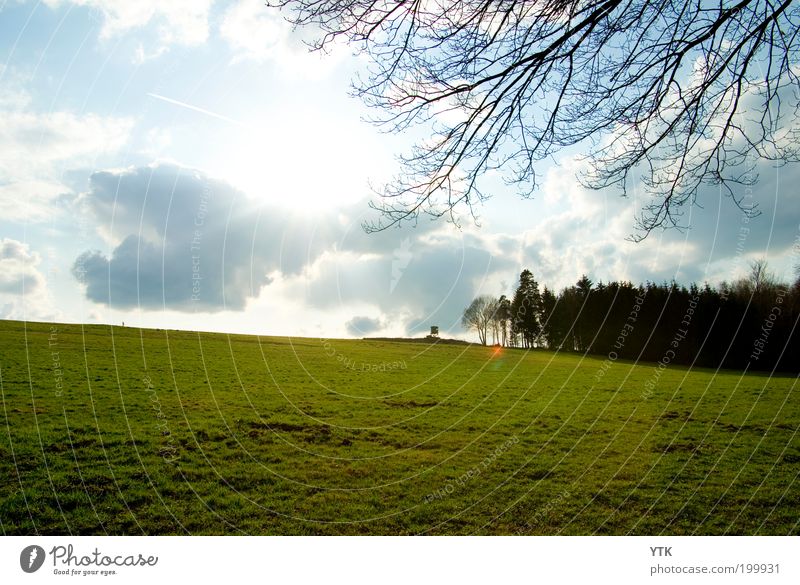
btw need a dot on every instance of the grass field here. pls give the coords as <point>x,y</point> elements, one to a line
<point>128,431</point>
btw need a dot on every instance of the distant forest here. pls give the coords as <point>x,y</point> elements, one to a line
<point>749,323</point>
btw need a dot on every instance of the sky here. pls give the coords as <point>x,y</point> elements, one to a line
<point>188,164</point>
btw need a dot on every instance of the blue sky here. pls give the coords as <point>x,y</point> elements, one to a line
<point>187,164</point>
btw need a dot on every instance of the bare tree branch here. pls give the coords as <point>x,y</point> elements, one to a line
<point>669,94</point>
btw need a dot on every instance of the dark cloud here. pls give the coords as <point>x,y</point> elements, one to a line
<point>719,224</point>
<point>13,250</point>
<point>362,325</point>
<point>422,282</point>
<point>719,241</point>
<point>142,274</point>
<point>188,242</point>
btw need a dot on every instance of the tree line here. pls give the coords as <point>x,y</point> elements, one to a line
<point>748,323</point>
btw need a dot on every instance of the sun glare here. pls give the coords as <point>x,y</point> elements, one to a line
<point>312,165</point>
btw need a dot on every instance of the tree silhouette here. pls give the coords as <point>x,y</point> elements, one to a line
<point>502,318</point>
<point>585,317</point>
<point>526,308</point>
<point>676,94</point>
<point>479,316</point>
<point>731,326</point>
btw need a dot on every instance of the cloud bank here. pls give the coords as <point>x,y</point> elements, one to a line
<point>181,240</point>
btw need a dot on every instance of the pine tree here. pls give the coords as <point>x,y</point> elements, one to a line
<point>526,310</point>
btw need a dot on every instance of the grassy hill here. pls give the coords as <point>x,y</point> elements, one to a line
<point>129,431</point>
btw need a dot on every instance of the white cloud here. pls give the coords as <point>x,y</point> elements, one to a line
<point>29,200</point>
<point>37,148</point>
<point>182,22</point>
<point>18,273</point>
<point>32,142</point>
<point>23,287</point>
<point>257,32</point>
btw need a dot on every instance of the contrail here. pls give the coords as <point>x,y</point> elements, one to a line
<point>196,109</point>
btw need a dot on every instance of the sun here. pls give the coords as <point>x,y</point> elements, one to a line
<point>308,165</point>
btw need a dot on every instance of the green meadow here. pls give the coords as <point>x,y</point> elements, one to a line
<point>128,431</point>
